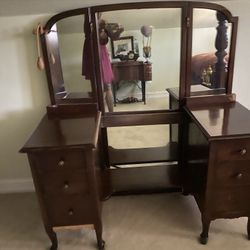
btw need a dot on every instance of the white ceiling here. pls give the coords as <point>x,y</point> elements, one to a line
<point>29,7</point>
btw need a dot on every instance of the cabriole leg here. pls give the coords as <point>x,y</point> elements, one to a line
<point>248,228</point>
<point>205,229</point>
<point>53,238</point>
<point>100,241</point>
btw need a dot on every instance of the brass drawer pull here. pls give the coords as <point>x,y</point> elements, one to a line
<point>66,185</point>
<point>61,163</point>
<point>70,212</point>
<point>243,151</point>
<point>239,176</point>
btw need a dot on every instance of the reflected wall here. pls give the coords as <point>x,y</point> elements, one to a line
<point>165,47</point>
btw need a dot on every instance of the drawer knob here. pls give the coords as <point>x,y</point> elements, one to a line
<point>70,212</point>
<point>239,176</point>
<point>66,185</point>
<point>61,163</point>
<point>243,151</point>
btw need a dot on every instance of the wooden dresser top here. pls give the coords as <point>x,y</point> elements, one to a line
<point>224,120</point>
<point>64,133</point>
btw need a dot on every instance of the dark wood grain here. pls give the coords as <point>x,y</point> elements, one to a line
<point>65,182</point>
<point>67,188</point>
<point>212,100</point>
<point>43,208</point>
<point>230,73</point>
<point>229,119</point>
<point>47,161</point>
<point>71,110</point>
<point>224,130</point>
<point>141,118</point>
<point>55,133</point>
<point>70,211</point>
<point>148,179</point>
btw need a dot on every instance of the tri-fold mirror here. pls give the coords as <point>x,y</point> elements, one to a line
<point>187,48</point>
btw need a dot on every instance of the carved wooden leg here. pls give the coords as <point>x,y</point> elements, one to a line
<point>114,89</point>
<point>205,229</point>
<point>53,238</point>
<point>248,228</point>
<point>100,241</point>
<point>143,89</point>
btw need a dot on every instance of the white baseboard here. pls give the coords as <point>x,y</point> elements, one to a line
<point>157,94</point>
<point>16,186</point>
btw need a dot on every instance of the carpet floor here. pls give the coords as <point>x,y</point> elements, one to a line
<point>145,222</point>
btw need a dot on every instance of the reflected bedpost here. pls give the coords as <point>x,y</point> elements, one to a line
<point>221,44</point>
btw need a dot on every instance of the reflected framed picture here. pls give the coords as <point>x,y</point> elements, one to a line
<point>120,47</point>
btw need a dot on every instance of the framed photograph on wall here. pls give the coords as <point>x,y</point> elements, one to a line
<point>120,47</point>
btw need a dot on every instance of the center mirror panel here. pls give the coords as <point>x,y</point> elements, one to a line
<point>210,52</point>
<point>71,37</point>
<point>144,49</point>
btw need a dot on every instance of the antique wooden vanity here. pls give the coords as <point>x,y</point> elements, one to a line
<point>74,164</point>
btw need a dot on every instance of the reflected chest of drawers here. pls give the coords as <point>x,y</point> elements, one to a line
<point>63,165</point>
<point>217,162</point>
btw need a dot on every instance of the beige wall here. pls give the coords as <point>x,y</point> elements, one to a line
<point>24,93</point>
<point>165,57</point>
<point>241,71</point>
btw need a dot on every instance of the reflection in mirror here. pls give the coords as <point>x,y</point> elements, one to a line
<point>145,59</point>
<point>138,144</point>
<point>210,52</point>
<point>71,39</point>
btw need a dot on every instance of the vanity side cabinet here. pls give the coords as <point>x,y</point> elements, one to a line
<point>63,159</point>
<point>219,175</point>
<point>228,184</point>
<point>67,189</point>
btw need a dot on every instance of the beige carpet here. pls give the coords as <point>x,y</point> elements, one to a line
<point>138,136</point>
<point>152,104</point>
<point>144,222</point>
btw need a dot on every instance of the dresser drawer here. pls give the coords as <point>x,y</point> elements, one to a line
<point>231,201</point>
<point>235,149</point>
<point>233,173</point>
<point>70,210</point>
<point>58,160</point>
<point>65,182</point>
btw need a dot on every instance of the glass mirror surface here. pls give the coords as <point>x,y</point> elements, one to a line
<point>71,40</point>
<point>145,59</point>
<point>210,52</point>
